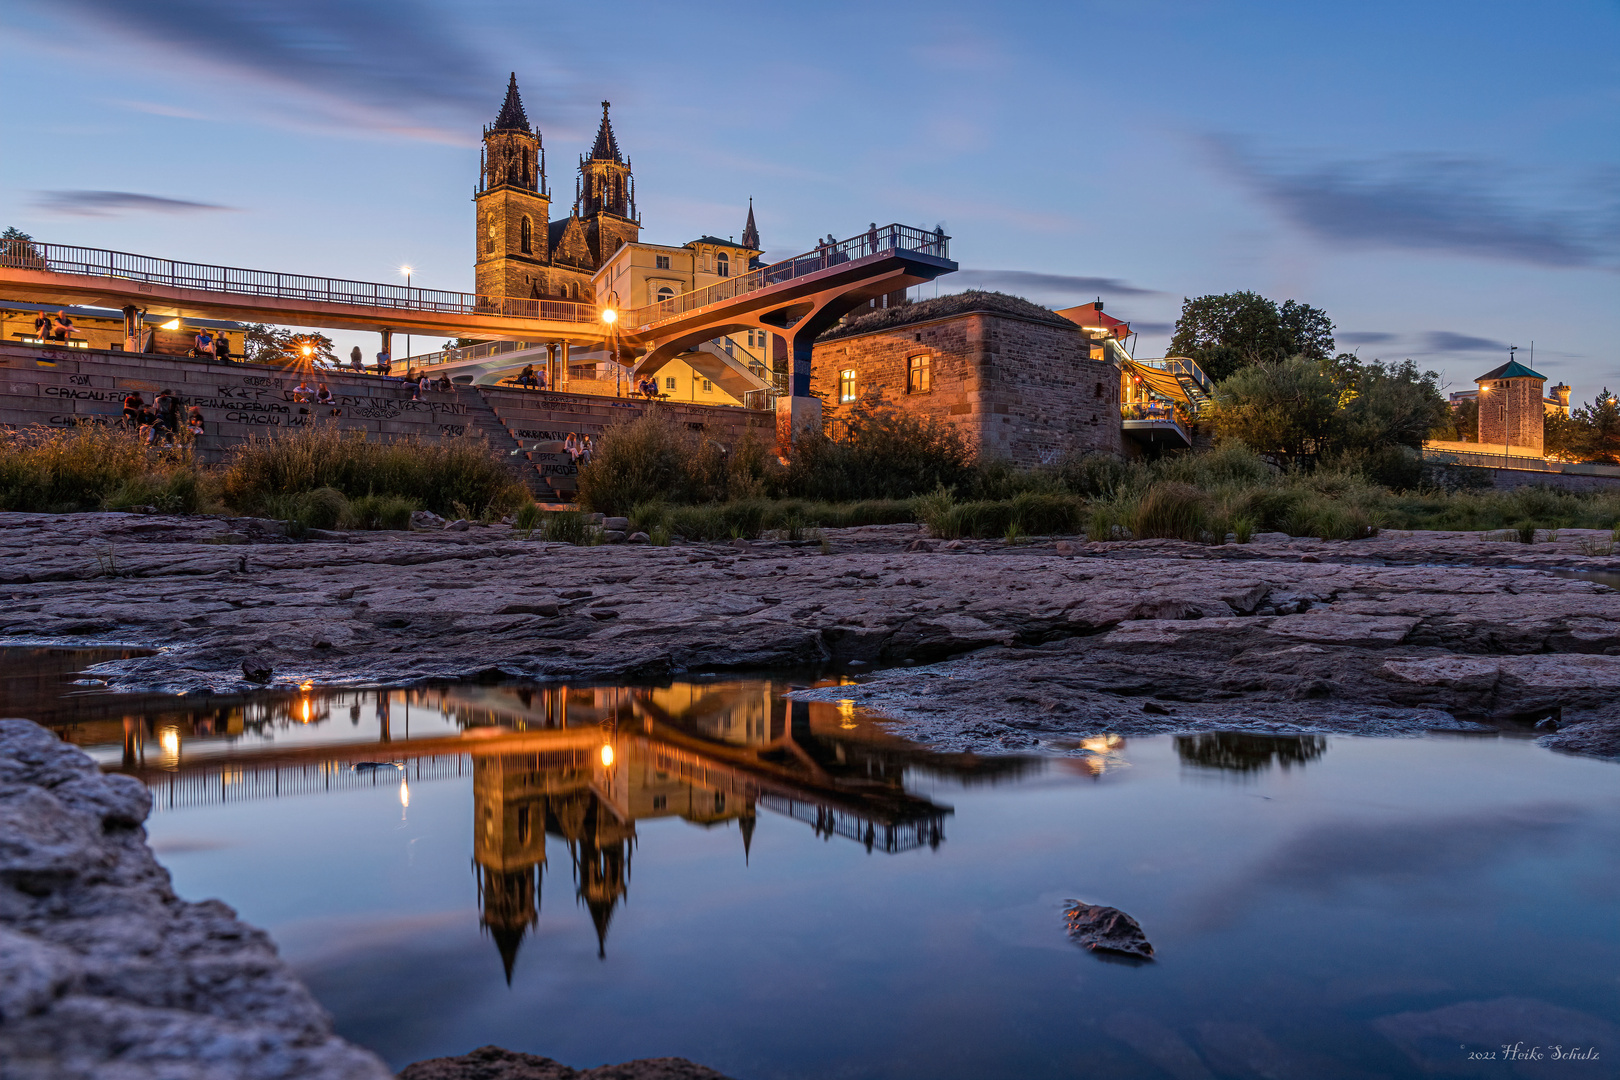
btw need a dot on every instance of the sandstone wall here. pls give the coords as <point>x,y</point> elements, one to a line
<point>1017,388</point>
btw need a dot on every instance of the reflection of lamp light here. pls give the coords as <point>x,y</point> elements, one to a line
<point>404,793</point>
<point>170,740</point>
<point>607,756</point>
<point>306,710</point>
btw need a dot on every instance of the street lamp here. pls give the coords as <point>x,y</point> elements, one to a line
<point>406,270</point>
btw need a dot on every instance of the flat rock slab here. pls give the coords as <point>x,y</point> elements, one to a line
<point>495,1063</point>
<point>1024,648</point>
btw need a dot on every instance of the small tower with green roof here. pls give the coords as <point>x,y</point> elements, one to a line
<point>1510,410</point>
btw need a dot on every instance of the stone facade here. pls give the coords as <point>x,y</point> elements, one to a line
<point>1511,413</point>
<point>1015,379</point>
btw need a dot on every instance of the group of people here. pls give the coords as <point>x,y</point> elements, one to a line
<point>49,329</point>
<point>531,377</point>
<point>159,422</point>
<point>304,394</point>
<point>648,388</point>
<point>210,346</point>
<point>578,448</point>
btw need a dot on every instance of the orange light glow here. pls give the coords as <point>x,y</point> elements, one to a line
<point>607,757</point>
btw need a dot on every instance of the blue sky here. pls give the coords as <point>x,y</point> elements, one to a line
<point>1443,178</point>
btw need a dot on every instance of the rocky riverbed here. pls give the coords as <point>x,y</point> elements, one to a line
<point>966,646</point>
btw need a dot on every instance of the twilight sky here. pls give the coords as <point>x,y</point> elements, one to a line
<point>1443,178</point>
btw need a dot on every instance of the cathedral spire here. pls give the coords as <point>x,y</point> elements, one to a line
<point>750,233</point>
<point>512,117</point>
<point>607,147</point>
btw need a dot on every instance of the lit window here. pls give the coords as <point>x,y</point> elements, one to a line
<point>665,293</point>
<point>669,383</point>
<point>661,262</point>
<point>722,265</point>
<point>919,375</point>
<point>846,386</point>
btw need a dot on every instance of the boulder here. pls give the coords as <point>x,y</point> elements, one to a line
<point>1106,930</point>
<point>426,519</point>
<point>257,669</point>
<point>495,1063</point>
<point>458,525</point>
<point>639,538</point>
<point>616,524</point>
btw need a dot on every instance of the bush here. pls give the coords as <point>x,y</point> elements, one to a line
<point>566,527</point>
<point>435,476</point>
<point>881,454</point>
<point>388,512</point>
<point>648,459</point>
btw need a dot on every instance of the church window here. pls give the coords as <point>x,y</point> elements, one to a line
<point>527,237</point>
<point>661,262</point>
<point>573,291</point>
<point>665,293</point>
<point>846,386</point>
<point>489,243</point>
<point>919,375</point>
<point>722,265</point>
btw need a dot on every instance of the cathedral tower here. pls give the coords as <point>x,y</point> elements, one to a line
<point>606,197</point>
<point>513,205</point>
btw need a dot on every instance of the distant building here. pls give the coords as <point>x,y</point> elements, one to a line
<point>1556,400</point>
<point>1512,407</point>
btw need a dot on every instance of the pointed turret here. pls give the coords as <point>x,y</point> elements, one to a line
<point>750,233</point>
<point>745,825</point>
<point>512,117</point>
<point>507,941</point>
<point>607,147</point>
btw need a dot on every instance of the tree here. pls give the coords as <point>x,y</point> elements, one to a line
<point>1234,330</point>
<point>265,344</point>
<point>1589,433</point>
<point>18,249</point>
<point>1388,405</point>
<point>312,348</point>
<point>460,343</point>
<point>1284,409</point>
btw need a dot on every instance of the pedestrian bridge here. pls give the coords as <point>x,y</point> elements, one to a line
<point>34,272</point>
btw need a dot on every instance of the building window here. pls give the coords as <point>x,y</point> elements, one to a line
<point>708,387</point>
<point>660,801</point>
<point>661,262</point>
<point>573,291</point>
<point>919,375</point>
<point>669,383</point>
<point>489,243</point>
<point>846,386</point>
<point>665,293</point>
<point>722,265</point>
<point>526,237</point>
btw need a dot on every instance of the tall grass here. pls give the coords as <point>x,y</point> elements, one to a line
<point>434,476</point>
<point>96,467</point>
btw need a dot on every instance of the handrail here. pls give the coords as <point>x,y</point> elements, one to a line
<point>874,241</point>
<point>98,262</point>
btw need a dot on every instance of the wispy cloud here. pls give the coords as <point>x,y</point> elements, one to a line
<point>1057,288</point>
<point>1444,341</point>
<point>1453,205</point>
<point>1364,337</point>
<point>382,61</point>
<point>114,203</point>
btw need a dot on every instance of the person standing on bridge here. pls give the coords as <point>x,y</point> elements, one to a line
<point>872,240</point>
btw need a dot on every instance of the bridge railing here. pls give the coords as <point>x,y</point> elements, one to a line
<point>875,241</point>
<point>98,262</point>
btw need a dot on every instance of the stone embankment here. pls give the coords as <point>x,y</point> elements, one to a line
<point>1010,648</point>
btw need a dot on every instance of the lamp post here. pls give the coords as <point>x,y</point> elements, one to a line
<point>611,318</point>
<point>406,270</point>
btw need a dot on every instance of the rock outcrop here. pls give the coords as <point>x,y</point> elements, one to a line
<point>105,974</point>
<point>1026,647</point>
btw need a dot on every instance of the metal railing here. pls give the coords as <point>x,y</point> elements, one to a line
<point>1180,366</point>
<point>875,241</point>
<point>233,281</point>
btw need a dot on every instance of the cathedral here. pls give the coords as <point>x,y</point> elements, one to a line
<point>522,252</point>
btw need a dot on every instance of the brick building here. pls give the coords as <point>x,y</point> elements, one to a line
<point>1511,408</point>
<point>1015,378</point>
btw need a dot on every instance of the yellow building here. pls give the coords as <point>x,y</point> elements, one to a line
<point>103,328</point>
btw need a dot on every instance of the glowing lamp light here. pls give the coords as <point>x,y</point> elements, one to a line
<point>170,740</point>
<point>172,324</point>
<point>407,270</point>
<point>607,756</point>
<point>610,316</point>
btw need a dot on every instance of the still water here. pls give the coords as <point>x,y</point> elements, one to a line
<point>787,890</point>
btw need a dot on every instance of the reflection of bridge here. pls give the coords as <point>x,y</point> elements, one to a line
<point>583,766</point>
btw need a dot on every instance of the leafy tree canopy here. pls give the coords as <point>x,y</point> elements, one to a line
<point>1588,433</point>
<point>1234,330</point>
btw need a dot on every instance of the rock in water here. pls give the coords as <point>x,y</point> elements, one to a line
<point>1106,929</point>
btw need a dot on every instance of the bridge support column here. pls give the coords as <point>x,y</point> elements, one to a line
<point>796,416</point>
<point>551,366</point>
<point>562,367</point>
<point>132,328</point>
<point>387,342</point>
